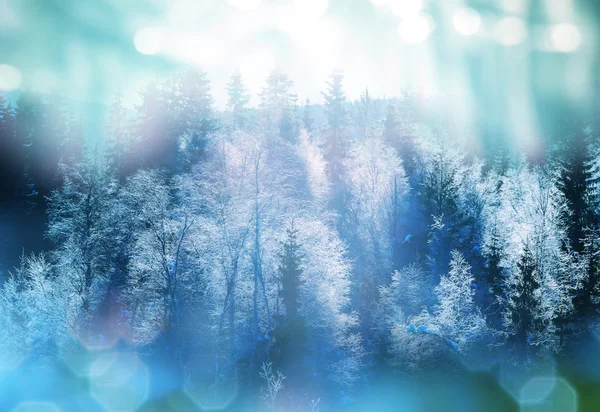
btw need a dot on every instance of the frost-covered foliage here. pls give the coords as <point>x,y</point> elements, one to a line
<point>456,316</point>
<point>360,234</point>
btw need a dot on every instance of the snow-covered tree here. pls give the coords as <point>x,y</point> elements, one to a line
<point>457,316</point>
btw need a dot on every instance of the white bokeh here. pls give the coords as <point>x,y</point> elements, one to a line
<point>148,40</point>
<point>10,78</point>
<point>415,29</point>
<point>466,21</point>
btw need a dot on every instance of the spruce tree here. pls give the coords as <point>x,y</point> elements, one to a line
<point>307,119</point>
<point>587,299</point>
<point>115,146</point>
<point>288,348</point>
<point>8,149</point>
<point>524,306</point>
<point>335,100</point>
<point>237,101</point>
<point>576,181</point>
<point>335,148</point>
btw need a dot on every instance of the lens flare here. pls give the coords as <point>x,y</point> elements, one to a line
<point>10,78</point>
<point>148,40</point>
<point>405,8</point>
<point>565,37</point>
<point>466,21</point>
<point>311,8</point>
<point>415,29</point>
<point>245,4</point>
<point>510,31</point>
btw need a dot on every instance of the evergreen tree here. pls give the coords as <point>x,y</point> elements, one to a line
<point>576,181</point>
<point>28,121</point>
<point>335,101</point>
<point>399,134</point>
<point>117,135</point>
<point>288,349</point>
<point>152,148</point>
<point>524,308</point>
<point>494,298</point>
<point>278,106</point>
<point>192,120</point>
<point>335,147</point>
<point>587,299</point>
<point>307,119</point>
<point>457,316</point>
<point>8,151</point>
<point>237,101</point>
<point>365,113</point>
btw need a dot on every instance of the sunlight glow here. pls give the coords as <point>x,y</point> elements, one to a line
<point>10,78</point>
<point>415,29</point>
<point>195,49</point>
<point>405,8</point>
<point>245,4</point>
<point>565,37</point>
<point>148,40</point>
<point>466,21</point>
<point>510,31</point>
<point>34,406</point>
<point>311,8</point>
<point>514,6</point>
<point>559,10</point>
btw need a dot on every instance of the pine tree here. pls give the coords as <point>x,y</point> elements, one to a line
<point>576,181</point>
<point>288,348</point>
<point>8,150</point>
<point>365,113</point>
<point>335,101</point>
<point>307,119</point>
<point>524,310</point>
<point>28,120</point>
<point>237,101</point>
<point>457,316</point>
<point>278,106</point>
<point>115,146</point>
<point>494,298</point>
<point>335,146</point>
<point>399,134</point>
<point>192,115</point>
<point>587,299</point>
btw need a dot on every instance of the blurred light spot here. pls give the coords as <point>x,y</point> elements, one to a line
<point>379,2</point>
<point>415,29</point>
<point>78,359</point>
<point>514,6</point>
<point>550,394</point>
<point>565,37</point>
<point>559,10</point>
<point>537,389</point>
<point>95,341</point>
<point>10,78</point>
<point>119,381</point>
<point>513,378</point>
<point>405,8</point>
<point>245,4</point>
<point>466,21</point>
<point>8,17</point>
<point>204,392</point>
<point>148,40</point>
<point>196,49</point>
<point>10,359</point>
<point>36,407</point>
<point>510,31</point>
<point>311,8</point>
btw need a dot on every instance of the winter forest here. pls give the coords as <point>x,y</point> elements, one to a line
<point>352,251</point>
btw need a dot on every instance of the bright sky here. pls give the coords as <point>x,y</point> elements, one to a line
<point>90,49</point>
